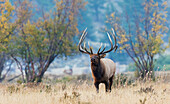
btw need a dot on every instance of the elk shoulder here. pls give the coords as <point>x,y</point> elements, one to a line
<point>109,67</point>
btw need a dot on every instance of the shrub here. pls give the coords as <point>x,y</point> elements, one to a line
<point>122,80</point>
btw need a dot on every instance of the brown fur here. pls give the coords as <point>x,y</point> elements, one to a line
<point>100,71</point>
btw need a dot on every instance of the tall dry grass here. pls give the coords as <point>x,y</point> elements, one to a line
<point>138,92</point>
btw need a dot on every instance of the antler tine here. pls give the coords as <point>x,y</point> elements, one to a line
<point>103,48</point>
<point>114,32</point>
<point>115,46</point>
<point>82,37</point>
<point>90,48</point>
<point>80,42</point>
<point>84,50</point>
<point>99,48</point>
<point>114,36</point>
<point>102,52</point>
<point>84,46</point>
<point>110,39</point>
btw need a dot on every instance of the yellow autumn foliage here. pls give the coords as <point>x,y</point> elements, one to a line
<point>144,41</point>
<point>5,24</point>
<point>164,3</point>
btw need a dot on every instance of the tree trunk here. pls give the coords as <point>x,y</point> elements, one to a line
<point>38,78</point>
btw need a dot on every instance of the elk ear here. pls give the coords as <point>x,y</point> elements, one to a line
<point>102,55</point>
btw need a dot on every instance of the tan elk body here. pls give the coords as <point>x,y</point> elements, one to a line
<point>103,69</point>
<point>108,68</point>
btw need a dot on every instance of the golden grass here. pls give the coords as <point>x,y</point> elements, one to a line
<point>141,93</point>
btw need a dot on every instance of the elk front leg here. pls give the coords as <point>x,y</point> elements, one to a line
<point>106,85</point>
<point>97,86</point>
<point>110,83</point>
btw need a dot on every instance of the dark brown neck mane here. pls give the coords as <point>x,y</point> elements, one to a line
<point>97,70</point>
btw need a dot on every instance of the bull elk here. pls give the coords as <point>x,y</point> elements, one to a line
<point>103,69</point>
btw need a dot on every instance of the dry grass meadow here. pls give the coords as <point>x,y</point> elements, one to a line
<point>83,92</point>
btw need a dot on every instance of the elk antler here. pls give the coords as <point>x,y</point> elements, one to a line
<point>115,46</point>
<point>84,50</point>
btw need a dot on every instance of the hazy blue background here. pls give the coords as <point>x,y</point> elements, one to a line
<point>94,18</point>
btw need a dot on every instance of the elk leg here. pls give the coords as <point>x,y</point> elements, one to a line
<point>106,86</point>
<point>110,83</point>
<point>97,86</point>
